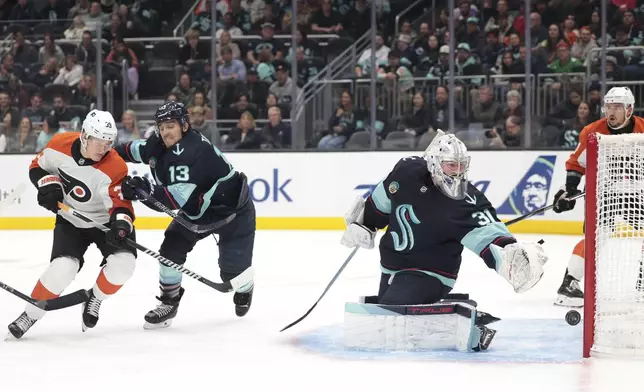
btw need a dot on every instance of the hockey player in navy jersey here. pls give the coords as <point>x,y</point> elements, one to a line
<point>193,176</point>
<point>431,212</point>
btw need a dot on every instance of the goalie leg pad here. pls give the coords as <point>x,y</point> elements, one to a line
<point>60,274</point>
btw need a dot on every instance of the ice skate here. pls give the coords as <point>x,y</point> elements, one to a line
<point>91,309</point>
<point>19,327</point>
<point>162,315</point>
<point>242,302</point>
<point>569,293</point>
<point>487,334</point>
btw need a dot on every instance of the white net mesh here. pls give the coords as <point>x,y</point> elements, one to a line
<point>619,241</point>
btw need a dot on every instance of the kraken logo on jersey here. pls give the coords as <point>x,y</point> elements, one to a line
<point>75,188</point>
<point>404,215</point>
<point>532,191</point>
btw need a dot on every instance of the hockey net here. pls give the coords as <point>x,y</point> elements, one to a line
<point>614,287</point>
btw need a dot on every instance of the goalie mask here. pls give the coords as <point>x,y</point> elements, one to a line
<point>448,163</point>
<point>619,104</point>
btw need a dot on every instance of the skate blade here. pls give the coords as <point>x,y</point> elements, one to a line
<point>567,302</point>
<point>10,338</point>
<point>150,326</point>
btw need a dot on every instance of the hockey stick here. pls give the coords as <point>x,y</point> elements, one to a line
<point>65,301</point>
<point>13,196</point>
<point>232,285</point>
<point>337,274</point>
<point>540,210</point>
<point>199,229</point>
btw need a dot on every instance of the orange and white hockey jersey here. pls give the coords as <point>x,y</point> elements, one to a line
<point>92,188</point>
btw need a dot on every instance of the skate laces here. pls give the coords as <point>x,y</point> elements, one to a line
<point>163,309</point>
<point>93,306</point>
<point>25,322</point>
<point>575,285</point>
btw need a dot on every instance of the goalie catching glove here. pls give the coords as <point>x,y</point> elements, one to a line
<point>521,264</point>
<point>356,233</point>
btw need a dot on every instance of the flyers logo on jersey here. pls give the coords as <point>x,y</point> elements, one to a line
<point>76,189</point>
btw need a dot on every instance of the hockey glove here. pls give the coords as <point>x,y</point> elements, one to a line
<point>562,203</point>
<point>131,184</point>
<point>356,233</point>
<point>521,264</point>
<point>50,192</point>
<point>120,229</point>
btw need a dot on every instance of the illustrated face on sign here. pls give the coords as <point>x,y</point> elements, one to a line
<point>535,192</point>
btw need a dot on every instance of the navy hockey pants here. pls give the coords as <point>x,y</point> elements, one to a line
<point>411,288</point>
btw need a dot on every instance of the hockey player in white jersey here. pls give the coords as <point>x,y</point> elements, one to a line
<point>84,172</point>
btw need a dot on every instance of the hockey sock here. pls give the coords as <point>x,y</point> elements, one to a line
<point>170,290</point>
<point>576,262</point>
<point>118,269</point>
<point>60,273</point>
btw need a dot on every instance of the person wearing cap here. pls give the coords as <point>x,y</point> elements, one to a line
<point>441,68</point>
<point>364,62</point>
<point>564,63</point>
<point>283,86</point>
<point>267,43</point>
<point>467,65</point>
<point>408,56</point>
<point>584,45</point>
<point>473,33</point>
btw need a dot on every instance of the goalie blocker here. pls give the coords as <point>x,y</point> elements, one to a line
<point>451,324</point>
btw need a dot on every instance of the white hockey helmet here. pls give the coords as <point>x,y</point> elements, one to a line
<point>448,163</point>
<point>98,124</point>
<point>623,96</point>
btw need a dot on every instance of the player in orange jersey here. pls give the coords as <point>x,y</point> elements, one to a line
<point>84,172</point>
<point>619,104</point>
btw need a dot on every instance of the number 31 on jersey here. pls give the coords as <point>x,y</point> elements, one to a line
<point>484,217</point>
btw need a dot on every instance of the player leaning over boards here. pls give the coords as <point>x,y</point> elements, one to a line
<point>192,175</point>
<point>432,211</point>
<point>84,172</point>
<point>619,104</point>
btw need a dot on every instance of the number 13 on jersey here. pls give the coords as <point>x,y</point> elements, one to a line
<point>179,173</point>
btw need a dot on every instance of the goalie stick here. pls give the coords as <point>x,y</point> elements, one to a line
<point>199,229</point>
<point>65,301</point>
<point>225,287</point>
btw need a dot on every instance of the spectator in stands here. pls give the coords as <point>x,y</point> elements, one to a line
<point>240,17</point>
<point>71,73</point>
<point>538,32</point>
<point>358,19</point>
<point>307,69</point>
<point>128,129</point>
<point>227,25</point>
<point>60,111</point>
<point>268,15</point>
<point>76,30</point>
<point>54,11</point>
<point>473,36</point>
<point>194,54</point>
<point>509,136</point>
<point>114,28</point>
<point>570,136</point>
<point>171,97</point>
<point>503,20</point>
<point>512,107</point>
<point>23,10</point>
<point>267,43</point>
<point>241,105</point>
<point>127,20</point>
<point>50,127</point>
<point>566,109</point>
<point>95,17</point>
<point>276,134</point>
<point>283,86</point>
<point>7,70</point>
<point>326,21</point>
<point>467,64</point>
<point>255,89</point>
<point>408,56</point>
<point>200,101</point>
<point>80,8</point>
<point>121,52</point>
<point>24,140</point>
<point>255,8</point>
<point>570,31</point>
<point>46,74</point>
<point>486,109</point>
<point>271,101</point>
<point>310,49</point>
<point>427,52</point>
<point>564,63</point>
<point>85,92</point>
<point>35,112</point>
<point>583,46</point>
<point>23,53</point>
<point>395,74</point>
<point>5,9</point>
<point>231,74</point>
<point>364,65</point>
<point>548,48</point>
<point>439,112</point>
<point>50,49</point>
<point>363,118</point>
<point>224,40</point>
<point>465,10</point>
<point>86,51</point>
<point>416,121</point>
<point>184,91</point>
<point>244,136</point>
<point>595,99</point>
<point>341,125</point>
<point>198,122</point>
<point>635,32</point>
<point>595,25</point>
<point>9,115</point>
<point>109,6</point>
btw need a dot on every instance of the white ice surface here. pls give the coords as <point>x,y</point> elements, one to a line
<point>209,349</point>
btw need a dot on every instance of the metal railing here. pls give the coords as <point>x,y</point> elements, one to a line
<point>593,59</point>
<point>181,28</point>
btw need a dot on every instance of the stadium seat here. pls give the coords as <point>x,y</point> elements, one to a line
<point>426,139</point>
<point>359,141</point>
<point>399,140</point>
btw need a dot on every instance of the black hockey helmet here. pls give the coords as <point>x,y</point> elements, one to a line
<point>171,110</point>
